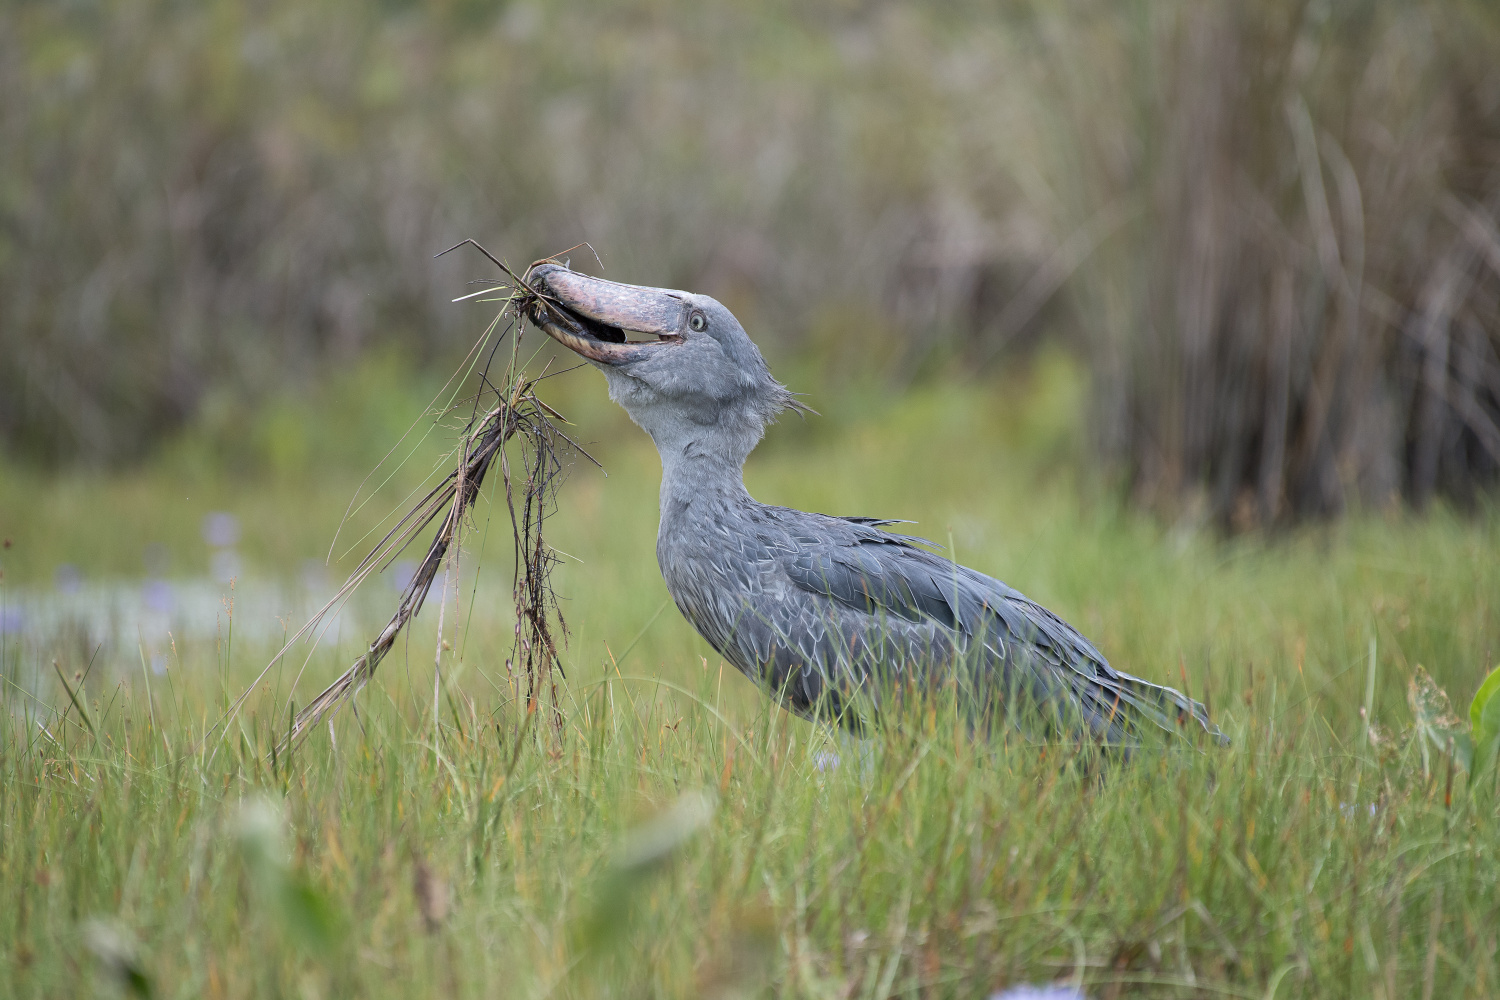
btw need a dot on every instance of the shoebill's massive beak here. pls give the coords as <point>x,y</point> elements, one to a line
<point>596,318</point>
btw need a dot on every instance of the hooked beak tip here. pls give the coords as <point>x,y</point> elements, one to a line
<point>594,317</point>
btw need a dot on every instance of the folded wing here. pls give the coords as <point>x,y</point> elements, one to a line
<point>900,604</point>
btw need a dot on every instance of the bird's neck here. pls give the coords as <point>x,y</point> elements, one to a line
<point>696,476</point>
<point>703,450</point>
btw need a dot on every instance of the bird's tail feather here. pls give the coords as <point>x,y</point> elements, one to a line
<point>1121,700</point>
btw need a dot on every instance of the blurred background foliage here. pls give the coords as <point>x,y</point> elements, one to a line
<point>1266,231</point>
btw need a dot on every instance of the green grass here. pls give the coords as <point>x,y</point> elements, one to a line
<point>487,853</point>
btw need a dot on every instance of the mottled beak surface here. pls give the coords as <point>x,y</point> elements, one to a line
<point>604,321</point>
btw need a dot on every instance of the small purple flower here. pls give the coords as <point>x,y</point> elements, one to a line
<point>67,579</point>
<point>158,597</point>
<point>221,529</point>
<point>1051,991</point>
<point>12,621</point>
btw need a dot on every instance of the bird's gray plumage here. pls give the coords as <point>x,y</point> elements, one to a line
<point>831,614</point>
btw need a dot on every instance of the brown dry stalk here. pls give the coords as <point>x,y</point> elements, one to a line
<point>516,413</point>
<point>1302,313</point>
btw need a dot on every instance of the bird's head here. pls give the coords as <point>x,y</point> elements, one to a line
<point>680,364</point>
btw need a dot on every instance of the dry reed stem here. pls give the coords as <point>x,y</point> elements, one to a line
<point>1303,316</point>
<point>516,414</point>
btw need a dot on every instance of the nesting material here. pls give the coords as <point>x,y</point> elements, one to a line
<point>505,408</point>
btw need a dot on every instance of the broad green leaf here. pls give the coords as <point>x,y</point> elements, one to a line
<point>1484,710</point>
<point>1485,753</point>
<point>642,853</point>
<point>309,916</point>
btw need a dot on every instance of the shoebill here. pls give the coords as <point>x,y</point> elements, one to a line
<point>835,616</point>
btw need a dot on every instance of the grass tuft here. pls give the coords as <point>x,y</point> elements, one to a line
<point>465,849</point>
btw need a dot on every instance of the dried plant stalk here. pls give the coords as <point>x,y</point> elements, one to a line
<point>1301,313</point>
<point>522,413</point>
<point>517,413</point>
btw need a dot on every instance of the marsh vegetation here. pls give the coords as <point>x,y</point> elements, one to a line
<point>679,836</point>
<point>1180,319</point>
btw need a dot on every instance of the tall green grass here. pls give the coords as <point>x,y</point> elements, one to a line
<point>493,858</point>
<point>679,836</point>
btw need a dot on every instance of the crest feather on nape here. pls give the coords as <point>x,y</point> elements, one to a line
<point>783,399</point>
<point>794,403</point>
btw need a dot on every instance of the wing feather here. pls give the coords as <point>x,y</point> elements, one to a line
<point>887,580</point>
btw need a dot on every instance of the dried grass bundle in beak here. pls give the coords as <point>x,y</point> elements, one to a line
<point>504,407</point>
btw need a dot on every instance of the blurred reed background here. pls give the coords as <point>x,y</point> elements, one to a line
<point>1268,230</point>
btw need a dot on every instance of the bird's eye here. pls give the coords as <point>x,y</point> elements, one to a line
<point>697,322</point>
